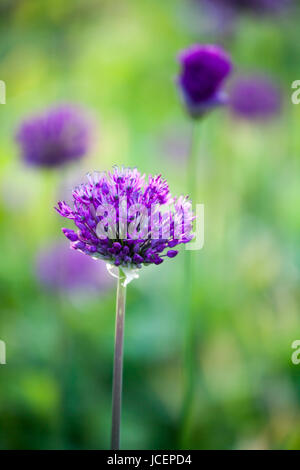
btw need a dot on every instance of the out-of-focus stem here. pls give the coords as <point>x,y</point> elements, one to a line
<point>190,331</point>
<point>192,163</point>
<point>118,364</point>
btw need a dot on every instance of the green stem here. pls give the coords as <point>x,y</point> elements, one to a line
<point>192,163</point>
<point>118,364</point>
<point>190,332</point>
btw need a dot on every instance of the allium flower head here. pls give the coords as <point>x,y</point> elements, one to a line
<point>56,137</point>
<point>255,98</point>
<point>126,219</point>
<point>250,6</point>
<point>60,269</point>
<point>203,71</point>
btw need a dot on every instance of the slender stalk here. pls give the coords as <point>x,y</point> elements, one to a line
<point>190,332</point>
<point>118,364</point>
<point>192,163</point>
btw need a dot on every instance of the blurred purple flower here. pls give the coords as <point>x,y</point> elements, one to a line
<point>203,71</point>
<point>54,138</point>
<point>215,19</point>
<point>103,195</point>
<point>61,269</point>
<point>255,98</point>
<point>250,6</point>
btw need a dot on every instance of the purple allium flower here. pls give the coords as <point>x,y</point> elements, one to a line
<point>126,220</point>
<point>251,6</point>
<point>255,98</point>
<point>204,69</point>
<point>56,137</point>
<point>61,269</point>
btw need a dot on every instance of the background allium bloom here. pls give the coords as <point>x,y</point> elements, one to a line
<point>255,97</point>
<point>151,242</point>
<point>62,269</point>
<point>251,6</point>
<point>203,71</point>
<point>56,137</point>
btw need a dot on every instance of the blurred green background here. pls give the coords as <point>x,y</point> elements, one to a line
<point>118,59</point>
